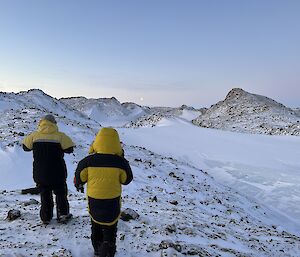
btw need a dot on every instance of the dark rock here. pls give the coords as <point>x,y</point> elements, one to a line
<point>171,228</point>
<point>174,202</point>
<point>129,214</point>
<point>173,175</point>
<point>165,244</point>
<point>154,199</point>
<point>13,215</point>
<point>31,202</point>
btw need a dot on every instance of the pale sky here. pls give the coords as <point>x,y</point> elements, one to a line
<point>152,52</point>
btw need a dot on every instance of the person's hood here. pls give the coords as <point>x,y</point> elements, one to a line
<point>107,141</point>
<point>47,127</point>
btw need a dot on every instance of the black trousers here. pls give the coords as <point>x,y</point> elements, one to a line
<point>104,239</point>
<point>62,204</point>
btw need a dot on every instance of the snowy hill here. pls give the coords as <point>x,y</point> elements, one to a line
<point>107,111</point>
<point>110,112</point>
<point>20,113</point>
<point>250,113</point>
<point>159,114</point>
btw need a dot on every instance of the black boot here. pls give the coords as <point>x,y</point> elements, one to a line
<point>62,204</point>
<point>96,252</point>
<point>107,249</point>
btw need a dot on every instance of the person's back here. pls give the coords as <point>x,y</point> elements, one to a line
<point>105,170</point>
<point>49,168</point>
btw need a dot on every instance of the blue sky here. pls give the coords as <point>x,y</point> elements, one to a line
<point>164,52</point>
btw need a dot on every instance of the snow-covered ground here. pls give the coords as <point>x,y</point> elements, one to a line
<point>183,212</point>
<point>198,191</point>
<point>264,167</point>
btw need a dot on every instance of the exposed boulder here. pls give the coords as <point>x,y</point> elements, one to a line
<point>129,214</point>
<point>13,215</point>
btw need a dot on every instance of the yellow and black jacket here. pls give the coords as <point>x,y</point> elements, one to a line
<point>49,146</point>
<point>104,171</point>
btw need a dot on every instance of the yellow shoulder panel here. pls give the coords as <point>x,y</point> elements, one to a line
<point>65,141</point>
<point>28,140</point>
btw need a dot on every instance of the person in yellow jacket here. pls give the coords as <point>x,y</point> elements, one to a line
<point>49,168</point>
<point>105,170</point>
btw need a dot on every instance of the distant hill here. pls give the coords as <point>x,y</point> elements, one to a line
<point>21,112</point>
<point>107,111</point>
<point>158,114</point>
<point>240,111</point>
<point>250,113</point>
<point>110,112</point>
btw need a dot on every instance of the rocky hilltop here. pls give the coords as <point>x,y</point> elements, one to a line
<point>244,112</point>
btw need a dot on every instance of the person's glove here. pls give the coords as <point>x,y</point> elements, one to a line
<point>79,186</point>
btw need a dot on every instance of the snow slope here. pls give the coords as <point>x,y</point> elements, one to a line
<point>267,168</point>
<point>250,113</point>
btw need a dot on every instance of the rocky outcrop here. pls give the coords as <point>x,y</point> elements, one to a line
<point>244,112</point>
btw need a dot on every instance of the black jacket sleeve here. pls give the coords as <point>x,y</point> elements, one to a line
<point>81,166</point>
<point>128,171</point>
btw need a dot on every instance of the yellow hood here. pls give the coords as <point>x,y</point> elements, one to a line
<point>107,141</point>
<point>47,127</point>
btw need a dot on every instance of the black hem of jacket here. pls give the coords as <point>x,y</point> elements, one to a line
<point>104,210</point>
